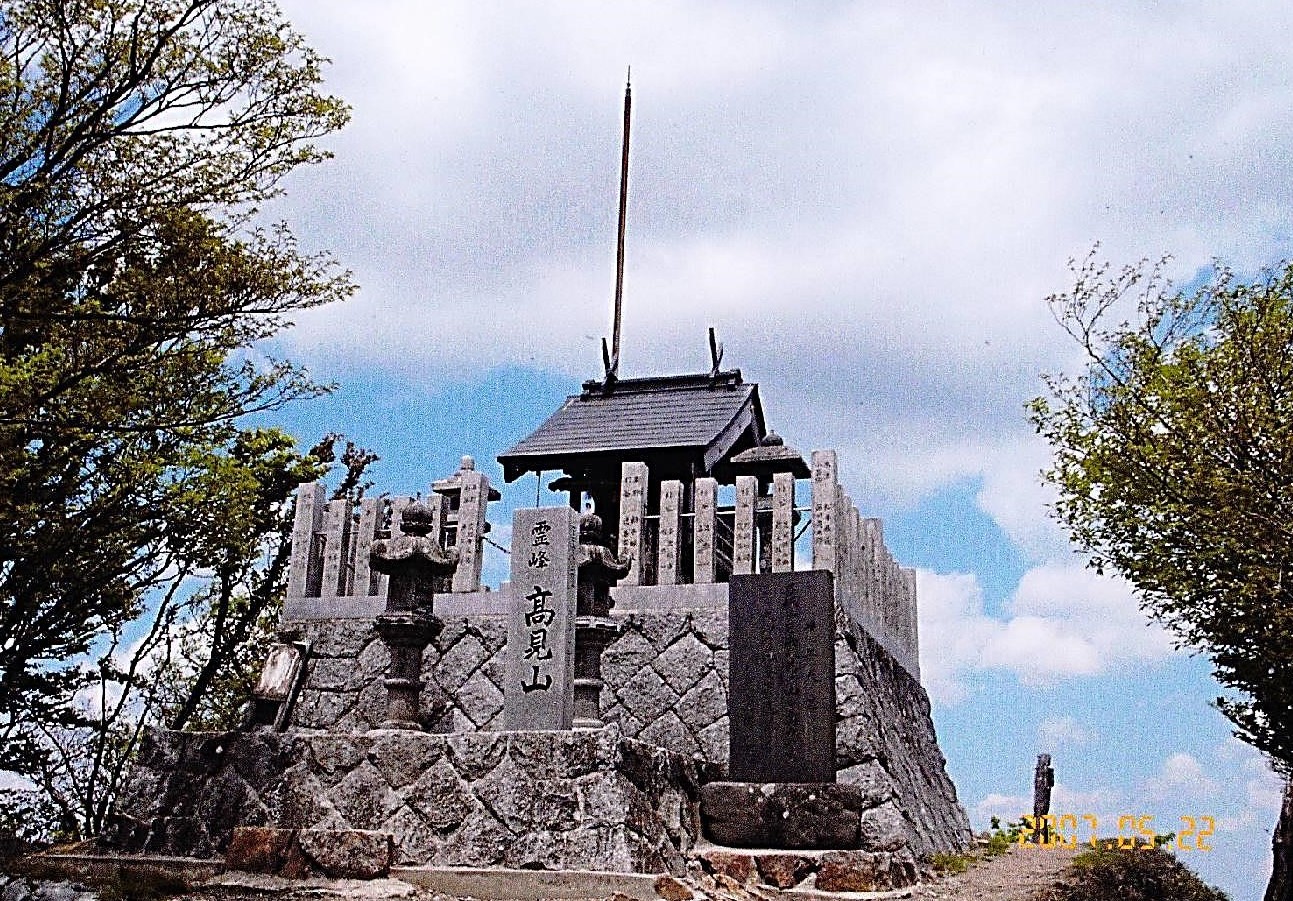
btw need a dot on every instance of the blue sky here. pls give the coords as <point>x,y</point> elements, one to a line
<point>870,203</point>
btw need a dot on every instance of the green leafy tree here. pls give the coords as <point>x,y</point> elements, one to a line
<point>1173,460</point>
<point>193,657</point>
<point>137,138</point>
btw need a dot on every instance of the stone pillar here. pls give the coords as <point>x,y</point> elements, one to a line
<point>874,532</point>
<point>845,549</point>
<point>825,476</point>
<point>783,526</point>
<point>539,689</point>
<point>336,526</point>
<point>747,492</point>
<point>1043,782</point>
<point>471,528</point>
<point>413,564</point>
<point>365,535</point>
<point>667,543</point>
<point>439,512</point>
<point>702,533</point>
<point>307,521</point>
<point>633,485</point>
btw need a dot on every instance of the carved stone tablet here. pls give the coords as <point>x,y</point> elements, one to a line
<point>540,689</point>
<point>781,702</point>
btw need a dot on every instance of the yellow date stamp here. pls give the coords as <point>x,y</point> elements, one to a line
<point>1135,832</point>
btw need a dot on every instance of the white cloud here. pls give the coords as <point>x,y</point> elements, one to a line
<point>1181,778</point>
<point>1064,732</point>
<point>868,205</point>
<point>1061,621</point>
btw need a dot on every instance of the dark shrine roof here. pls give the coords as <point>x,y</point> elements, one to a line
<point>707,414</point>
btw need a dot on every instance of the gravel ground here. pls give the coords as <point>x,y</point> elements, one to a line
<point>1013,876</point>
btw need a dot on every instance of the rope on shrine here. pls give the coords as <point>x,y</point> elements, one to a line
<point>497,545</point>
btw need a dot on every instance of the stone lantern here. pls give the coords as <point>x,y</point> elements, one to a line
<point>599,568</point>
<point>416,564</point>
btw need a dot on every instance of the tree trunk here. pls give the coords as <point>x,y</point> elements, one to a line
<point>1280,888</point>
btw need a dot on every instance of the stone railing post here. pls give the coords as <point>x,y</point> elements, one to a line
<point>471,530</point>
<point>747,491</point>
<point>366,532</point>
<point>783,522</point>
<point>825,493</point>
<point>397,505</point>
<point>667,543</point>
<point>336,526</point>
<point>873,560</point>
<point>633,485</point>
<point>847,524</point>
<point>702,530</point>
<point>913,626</point>
<point>307,521</point>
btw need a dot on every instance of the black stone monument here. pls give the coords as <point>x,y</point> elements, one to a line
<point>781,699</point>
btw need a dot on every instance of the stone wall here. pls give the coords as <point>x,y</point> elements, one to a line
<point>546,800</point>
<point>462,671</point>
<point>666,684</point>
<point>884,733</point>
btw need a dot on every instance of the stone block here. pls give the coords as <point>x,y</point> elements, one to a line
<point>457,664</point>
<point>475,754</point>
<point>258,849</point>
<point>649,695</point>
<point>740,867</point>
<point>480,698</point>
<point>402,755</point>
<point>866,871</point>
<point>853,871</point>
<point>713,743</point>
<point>782,815</point>
<point>661,629</point>
<point>704,704</point>
<point>710,626</point>
<point>625,657</point>
<point>784,870</point>
<point>671,889</point>
<point>442,799</point>
<point>669,732</point>
<point>683,663</point>
<point>364,798</point>
<point>348,853</point>
<point>883,828</point>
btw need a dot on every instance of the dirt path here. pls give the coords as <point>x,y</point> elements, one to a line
<point>1013,876</point>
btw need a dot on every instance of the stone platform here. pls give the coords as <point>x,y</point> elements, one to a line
<point>584,800</point>
<point>801,816</point>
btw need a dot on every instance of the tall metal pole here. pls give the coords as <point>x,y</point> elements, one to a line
<point>614,366</point>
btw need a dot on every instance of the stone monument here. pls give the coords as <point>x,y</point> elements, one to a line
<point>540,689</point>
